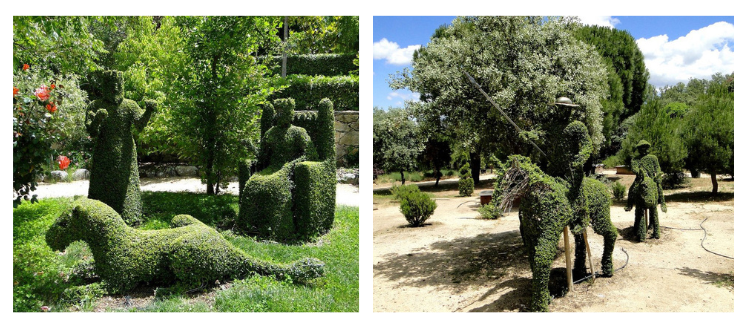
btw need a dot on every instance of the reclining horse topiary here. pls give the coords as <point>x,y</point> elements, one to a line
<point>190,252</point>
<point>548,204</point>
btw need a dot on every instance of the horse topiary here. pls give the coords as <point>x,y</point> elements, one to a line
<point>190,252</point>
<point>548,204</point>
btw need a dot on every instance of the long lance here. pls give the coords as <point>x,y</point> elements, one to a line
<point>471,79</point>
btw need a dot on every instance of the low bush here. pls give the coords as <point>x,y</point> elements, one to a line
<point>618,190</point>
<point>489,212</point>
<point>417,207</point>
<point>674,180</point>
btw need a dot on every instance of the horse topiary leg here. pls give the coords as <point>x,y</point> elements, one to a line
<point>543,258</point>
<point>640,227</point>
<point>579,268</point>
<point>654,222</point>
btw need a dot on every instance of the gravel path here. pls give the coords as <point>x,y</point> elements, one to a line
<point>347,194</point>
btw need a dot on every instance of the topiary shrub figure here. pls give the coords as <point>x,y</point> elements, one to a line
<point>548,204</point>
<point>190,253</point>
<point>290,191</point>
<point>110,121</point>
<point>646,192</point>
<point>465,181</point>
<point>417,207</point>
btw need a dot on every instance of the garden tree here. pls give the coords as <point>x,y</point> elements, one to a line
<point>436,154</point>
<point>627,78</point>
<point>322,34</point>
<point>662,131</point>
<point>523,64</point>
<point>221,88</point>
<point>708,130</point>
<point>60,44</point>
<point>396,140</point>
<point>47,109</point>
<point>151,58</point>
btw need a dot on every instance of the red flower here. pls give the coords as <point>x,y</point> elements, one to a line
<point>52,107</point>
<point>25,67</point>
<point>51,87</point>
<point>45,308</point>
<point>63,161</point>
<point>15,91</point>
<point>42,93</point>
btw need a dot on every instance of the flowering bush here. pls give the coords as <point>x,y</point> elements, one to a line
<point>47,110</point>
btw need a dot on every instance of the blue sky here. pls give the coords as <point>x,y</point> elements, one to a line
<point>675,48</point>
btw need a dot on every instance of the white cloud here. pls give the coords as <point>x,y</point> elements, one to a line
<point>404,96</point>
<point>699,54</point>
<point>599,20</point>
<point>390,51</point>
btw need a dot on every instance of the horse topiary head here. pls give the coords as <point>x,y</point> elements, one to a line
<point>88,220</point>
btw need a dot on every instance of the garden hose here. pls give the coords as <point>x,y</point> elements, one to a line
<point>598,273</point>
<point>703,238</point>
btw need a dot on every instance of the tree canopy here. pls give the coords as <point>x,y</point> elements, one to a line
<point>523,64</point>
<point>397,141</point>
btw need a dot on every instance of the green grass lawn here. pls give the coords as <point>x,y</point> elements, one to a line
<point>45,278</point>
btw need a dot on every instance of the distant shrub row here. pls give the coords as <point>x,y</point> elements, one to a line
<point>307,91</point>
<point>327,65</point>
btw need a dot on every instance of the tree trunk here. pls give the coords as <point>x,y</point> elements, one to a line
<point>714,178</point>
<point>402,177</point>
<point>437,175</point>
<point>475,161</point>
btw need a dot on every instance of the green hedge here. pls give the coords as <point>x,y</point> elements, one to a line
<point>315,197</point>
<point>327,64</point>
<point>308,91</point>
<point>266,204</point>
<point>190,252</point>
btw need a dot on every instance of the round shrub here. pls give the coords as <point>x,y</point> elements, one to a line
<point>400,192</point>
<point>619,190</point>
<point>417,207</point>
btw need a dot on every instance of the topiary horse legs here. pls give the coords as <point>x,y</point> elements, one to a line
<point>640,227</point>
<point>543,256</point>
<point>654,222</point>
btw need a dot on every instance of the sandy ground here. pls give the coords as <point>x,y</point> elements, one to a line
<point>347,194</point>
<point>459,263</point>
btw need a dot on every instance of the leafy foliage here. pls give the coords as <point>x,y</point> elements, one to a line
<point>465,181</point>
<point>619,190</point>
<point>417,207</point>
<point>48,110</point>
<point>523,64</point>
<point>396,140</point>
<point>312,65</point>
<point>343,91</point>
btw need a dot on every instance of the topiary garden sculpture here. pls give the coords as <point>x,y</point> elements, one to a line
<point>110,121</point>
<point>191,252</point>
<point>646,192</point>
<point>290,191</point>
<point>548,204</point>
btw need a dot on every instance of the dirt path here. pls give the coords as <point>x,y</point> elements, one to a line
<point>458,263</point>
<point>347,194</point>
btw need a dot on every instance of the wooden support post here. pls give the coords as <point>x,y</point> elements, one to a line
<point>568,259</point>
<point>645,211</point>
<point>590,257</point>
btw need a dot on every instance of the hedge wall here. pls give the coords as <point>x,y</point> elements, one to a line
<point>343,91</point>
<point>327,65</point>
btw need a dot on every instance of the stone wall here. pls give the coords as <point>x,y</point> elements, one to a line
<point>346,136</point>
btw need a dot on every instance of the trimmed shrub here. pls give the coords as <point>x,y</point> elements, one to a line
<point>314,197</point>
<point>489,212</point>
<point>417,207</point>
<point>619,190</point>
<point>674,180</point>
<point>115,179</point>
<point>343,91</point>
<point>322,64</point>
<point>465,182</point>
<point>190,252</point>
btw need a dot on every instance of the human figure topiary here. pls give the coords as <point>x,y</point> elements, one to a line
<point>646,192</point>
<point>267,199</point>
<point>548,204</point>
<point>465,181</point>
<point>115,179</point>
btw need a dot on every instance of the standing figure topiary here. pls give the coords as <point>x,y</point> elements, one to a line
<point>646,192</point>
<point>465,181</point>
<point>110,121</point>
